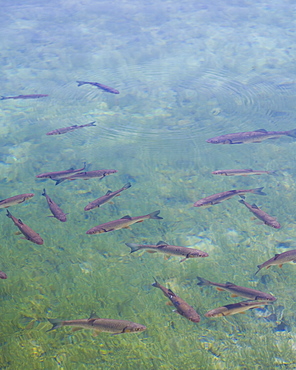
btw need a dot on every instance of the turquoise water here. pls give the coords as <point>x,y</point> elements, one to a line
<point>186,72</point>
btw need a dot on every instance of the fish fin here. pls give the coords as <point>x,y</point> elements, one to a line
<point>242,196</point>
<point>108,192</point>
<point>267,267</point>
<point>171,292</point>
<point>161,243</point>
<point>44,193</point>
<point>242,313</point>
<point>156,283</point>
<point>241,201</point>
<point>17,233</point>
<point>292,133</point>
<point>255,206</point>
<point>93,315</point>
<point>117,195</point>
<point>20,221</point>
<point>127,217</point>
<point>133,246</point>
<point>183,259</point>
<point>169,303</point>
<point>149,251</point>
<point>125,227</point>
<point>56,323</point>
<point>261,130</point>
<point>154,215</point>
<point>228,141</point>
<point>234,295</point>
<point>166,257</point>
<point>219,289</point>
<point>127,185</point>
<point>253,218</point>
<point>111,202</point>
<point>202,281</point>
<point>281,265</point>
<point>76,329</point>
<point>258,191</point>
<point>59,181</point>
<point>139,221</point>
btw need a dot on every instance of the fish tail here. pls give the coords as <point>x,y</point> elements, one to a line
<point>203,281</point>
<point>80,83</point>
<point>242,201</point>
<point>154,215</point>
<point>59,181</point>
<point>44,193</point>
<point>156,283</point>
<point>8,214</point>
<point>258,191</point>
<point>292,133</point>
<point>91,123</point>
<point>126,186</point>
<point>56,323</point>
<point>2,97</point>
<point>133,246</point>
<point>259,268</point>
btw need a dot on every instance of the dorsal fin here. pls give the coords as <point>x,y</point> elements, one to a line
<point>108,192</point>
<point>255,206</point>
<point>261,130</point>
<point>162,243</point>
<point>128,217</point>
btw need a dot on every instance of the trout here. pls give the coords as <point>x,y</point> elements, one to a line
<point>17,199</point>
<point>279,259</point>
<point>232,309</point>
<point>54,208</point>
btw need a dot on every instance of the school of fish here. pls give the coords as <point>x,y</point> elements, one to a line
<point>255,298</point>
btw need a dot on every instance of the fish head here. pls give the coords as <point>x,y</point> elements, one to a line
<point>134,328</point>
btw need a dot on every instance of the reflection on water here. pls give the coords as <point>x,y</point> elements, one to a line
<point>186,72</point>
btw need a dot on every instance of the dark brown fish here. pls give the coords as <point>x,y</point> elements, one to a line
<point>32,96</point>
<point>63,130</point>
<point>182,307</point>
<point>279,260</point>
<point>17,199</point>
<point>3,275</point>
<point>263,216</point>
<point>236,290</point>
<point>60,175</point>
<point>99,86</point>
<point>106,198</point>
<point>29,234</point>
<point>122,223</point>
<point>250,137</point>
<point>86,175</point>
<point>55,209</point>
<point>219,197</point>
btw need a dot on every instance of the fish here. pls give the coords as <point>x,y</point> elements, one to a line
<point>100,325</point>
<point>3,275</point>
<point>63,130</point>
<point>16,199</point>
<point>250,137</point>
<point>29,234</point>
<point>32,96</point>
<point>234,308</point>
<point>279,259</point>
<point>236,290</point>
<point>263,216</point>
<point>54,208</point>
<point>219,197</point>
<point>106,198</point>
<point>86,175</point>
<point>59,175</point>
<point>99,86</point>
<point>244,172</point>
<point>182,307</point>
<point>165,248</point>
<point>122,223</point>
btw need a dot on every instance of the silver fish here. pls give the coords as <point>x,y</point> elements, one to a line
<point>279,260</point>
<point>106,198</point>
<point>17,199</point>
<point>244,172</point>
<point>63,130</point>
<point>232,309</point>
<point>250,137</point>
<point>60,175</point>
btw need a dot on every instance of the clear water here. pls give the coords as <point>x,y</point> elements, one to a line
<point>186,71</point>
